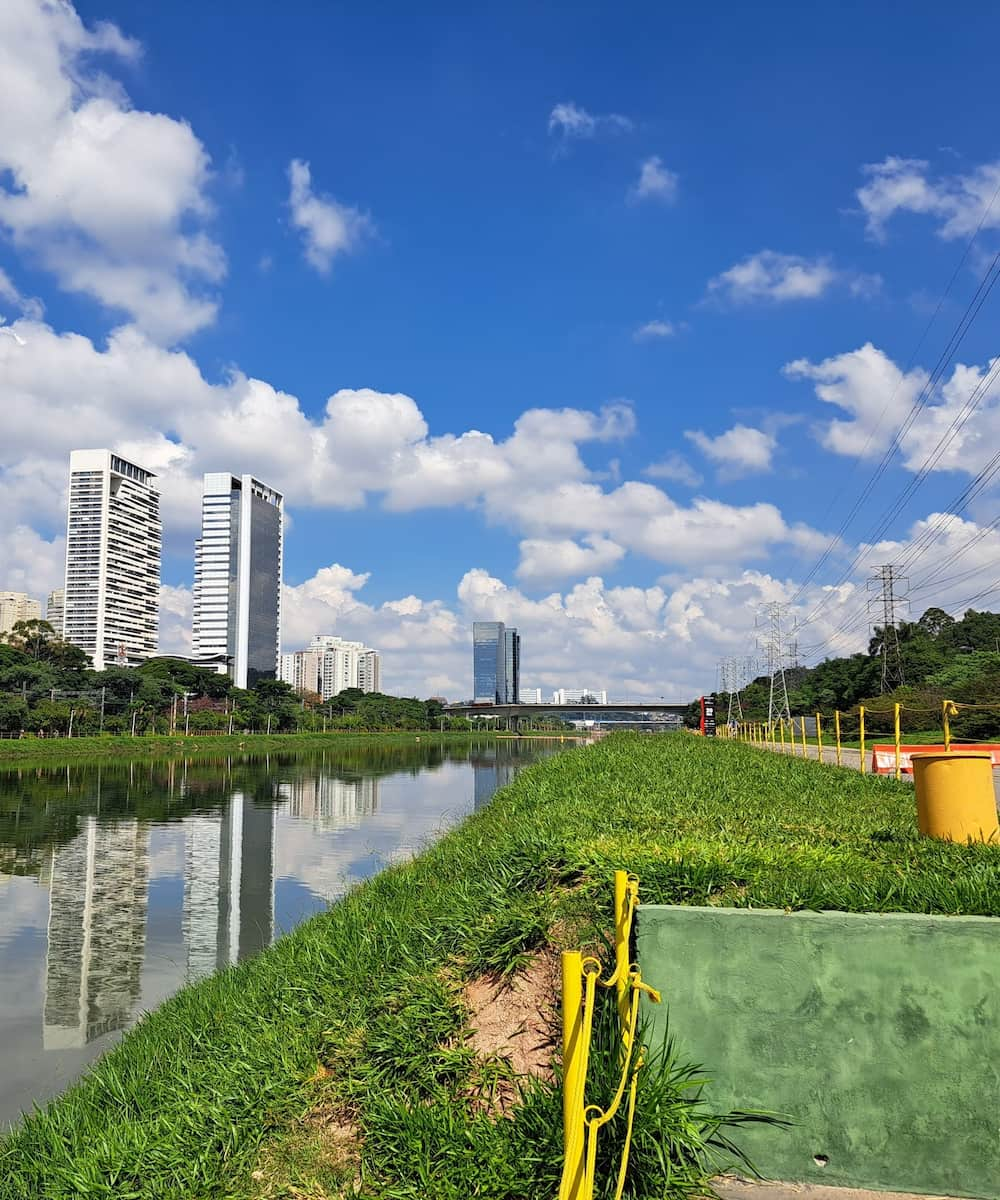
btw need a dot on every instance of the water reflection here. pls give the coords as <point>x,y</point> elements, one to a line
<point>121,881</point>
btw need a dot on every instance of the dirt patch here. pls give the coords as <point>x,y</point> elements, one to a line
<point>517,1018</point>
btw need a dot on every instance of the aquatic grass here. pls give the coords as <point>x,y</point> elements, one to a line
<point>356,1009</point>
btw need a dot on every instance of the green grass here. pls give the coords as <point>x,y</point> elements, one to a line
<point>32,751</point>
<point>217,1084</point>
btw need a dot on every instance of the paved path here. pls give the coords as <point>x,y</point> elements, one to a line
<point>731,1187</point>
<point>852,758</point>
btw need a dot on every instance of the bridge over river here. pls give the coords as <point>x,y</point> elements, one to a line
<point>603,714</point>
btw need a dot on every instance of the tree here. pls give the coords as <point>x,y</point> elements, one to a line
<point>31,637</point>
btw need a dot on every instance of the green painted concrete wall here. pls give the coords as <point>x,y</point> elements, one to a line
<point>878,1034</point>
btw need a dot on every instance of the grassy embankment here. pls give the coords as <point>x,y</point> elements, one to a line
<point>339,1056</point>
<point>48,751</point>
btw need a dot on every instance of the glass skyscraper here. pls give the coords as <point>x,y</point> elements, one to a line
<point>496,663</point>
<point>237,577</point>
<point>512,665</point>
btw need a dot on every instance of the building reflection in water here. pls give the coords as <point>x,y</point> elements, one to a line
<point>228,885</point>
<point>490,774</point>
<point>98,889</point>
<point>330,803</point>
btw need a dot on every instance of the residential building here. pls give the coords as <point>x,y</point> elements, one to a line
<point>370,671</point>
<point>113,543</point>
<point>330,665</point>
<point>529,696</point>
<point>303,670</point>
<point>579,696</point>
<point>17,606</point>
<point>512,664</point>
<point>237,576</point>
<point>54,610</point>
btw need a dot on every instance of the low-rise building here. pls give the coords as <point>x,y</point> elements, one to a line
<point>54,609</point>
<point>530,696</point>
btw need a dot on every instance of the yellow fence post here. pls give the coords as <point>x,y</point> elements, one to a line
<point>622,931</point>
<point>861,731</point>
<point>895,731</point>
<point>948,710</point>
<point>781,731</point>
<point>802,730</point>
<point>573,1077</point>
<point>819,738</point>
<point>836,730</point>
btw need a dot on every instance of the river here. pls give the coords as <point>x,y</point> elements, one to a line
<point>122,881</point>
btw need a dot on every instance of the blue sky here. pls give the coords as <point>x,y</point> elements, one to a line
<point>451,217</point>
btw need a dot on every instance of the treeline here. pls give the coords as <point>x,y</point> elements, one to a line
<point>48,689</point>
<point>941,659</point>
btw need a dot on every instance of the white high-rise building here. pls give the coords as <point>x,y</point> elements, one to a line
<point>17,606</point>
<point>530,696</point>
<point>303,670</point>
<point>579,696</point>
<point>330,665</point>
<point>113,543</point>
<point>237,577</point>
<point>55,609</point>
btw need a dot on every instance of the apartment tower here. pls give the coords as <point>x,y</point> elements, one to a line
<point>113,543</point>
<point>237,577</point>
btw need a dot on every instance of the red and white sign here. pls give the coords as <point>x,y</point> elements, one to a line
<point>884,757</point>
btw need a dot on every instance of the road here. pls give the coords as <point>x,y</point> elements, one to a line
<point>852,758</point>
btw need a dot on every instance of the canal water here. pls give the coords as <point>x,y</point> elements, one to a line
<point>121,882</point>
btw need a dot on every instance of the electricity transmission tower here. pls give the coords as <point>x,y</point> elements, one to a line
<point>890,587</point>
<point>733,678</point>
<point>775,653</point>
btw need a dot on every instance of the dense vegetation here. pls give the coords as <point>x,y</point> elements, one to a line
<point>337,1059</point>
<point>942,659</point>
<point>47,688</point>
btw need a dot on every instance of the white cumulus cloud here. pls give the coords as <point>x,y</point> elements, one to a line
<point>741,450</point>
<point>957,202</point>
<point>328,227</point>
<point>656,182</point>
<point>771,276</point>
<point>112,200</point>
<point>654,330</point>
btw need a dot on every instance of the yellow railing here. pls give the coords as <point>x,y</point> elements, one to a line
<point>773,735</point>
<point>581,977</point>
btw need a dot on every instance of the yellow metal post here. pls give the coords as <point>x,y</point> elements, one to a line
<point>781,731</point>
<point>819,738</point>
<point>802,730</point>
<point>622,925</point>
<point>948,710</point>
<point>836,730</point>
<point>861,732</point>
<point>895,733</point>
<point>573,1081</point>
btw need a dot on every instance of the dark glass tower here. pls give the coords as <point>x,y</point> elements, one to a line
<point>489,662</point>
<point>512,665</point>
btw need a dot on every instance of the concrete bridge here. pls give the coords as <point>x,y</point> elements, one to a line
<point>589,712</point>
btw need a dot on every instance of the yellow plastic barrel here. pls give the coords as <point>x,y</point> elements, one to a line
<point>955,798</point>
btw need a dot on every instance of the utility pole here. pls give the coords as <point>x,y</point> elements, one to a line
<point>732,679</point>
<point>888,590</point>
<point>769,619</point>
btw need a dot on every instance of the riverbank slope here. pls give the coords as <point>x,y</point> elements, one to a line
<point>56,751</point>
<point>340,1056</point>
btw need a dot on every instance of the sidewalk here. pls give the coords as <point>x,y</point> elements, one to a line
<point>732,1187</point>
<point>850,757</point>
